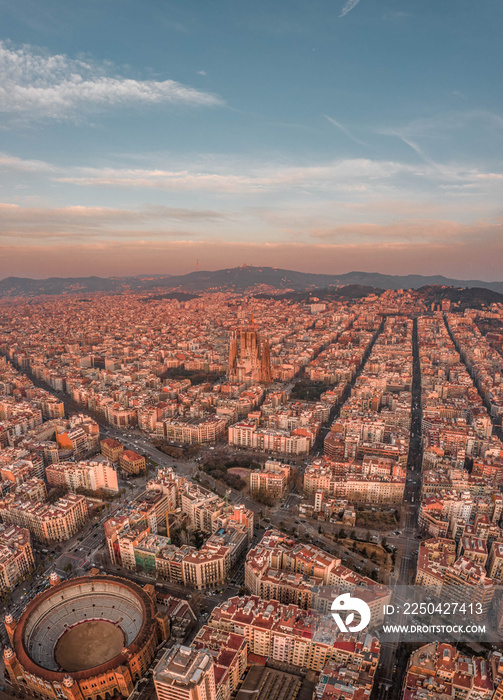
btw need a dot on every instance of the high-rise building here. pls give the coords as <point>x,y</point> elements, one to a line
<point>185,674</point>
<point>249,356</point>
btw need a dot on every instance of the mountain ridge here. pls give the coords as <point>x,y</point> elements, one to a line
<point>238,279</point>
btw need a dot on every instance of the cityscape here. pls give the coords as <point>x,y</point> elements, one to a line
<point>251,350</point>
<point>188,485</point>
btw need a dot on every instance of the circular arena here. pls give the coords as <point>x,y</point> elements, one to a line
<point>85,628</point>
<point>107,614</point>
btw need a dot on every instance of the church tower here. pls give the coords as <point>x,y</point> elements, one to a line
<point>249,356</point>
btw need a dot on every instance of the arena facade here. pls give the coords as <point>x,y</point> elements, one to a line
<point>88,638</point>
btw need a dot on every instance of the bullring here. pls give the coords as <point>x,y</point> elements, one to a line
<point>89,637</point>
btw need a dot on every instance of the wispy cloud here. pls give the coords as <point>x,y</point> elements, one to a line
<point>350,5</point>
<point>237,178</point>
<point>34,222</point>
<point>37,85</point>
<point>435,231</point>
<point>344,190</point>
<point>344,130</point>
<point>13,163</point>
<point>414,146</point>
<point>216,173</point>
<point>436,128</point>
<point>342,180</point>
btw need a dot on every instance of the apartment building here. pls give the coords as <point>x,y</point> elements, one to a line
<point>205,430</point>
<point>16,556</point>
<point>249,435</point>
<point>93,475</point>
<point>282,569</point>
<point>132,462</point>
<point>133,542</point>
<point>230,656</point>
<point>441,671</point>
<point>287,634</point>
<point>184,673</point>
<point>350,681</point>
<point>46,522</point>
<point>374,481</point>
<point>271,481</point>
<point>111,449</point>
<point>495,562</point>
<point>435,556</point>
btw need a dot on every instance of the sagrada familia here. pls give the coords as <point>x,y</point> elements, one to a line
<point>249,357</point>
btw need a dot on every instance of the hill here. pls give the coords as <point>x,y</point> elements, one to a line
<point>236,279</point>
<point>473,297</point>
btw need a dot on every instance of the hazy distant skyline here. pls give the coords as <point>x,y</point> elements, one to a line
<point>315,135</point>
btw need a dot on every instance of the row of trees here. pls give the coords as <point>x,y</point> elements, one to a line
<point>217,466</point>
<point>221,473</point>
<point>100,493</point>
<point>307,390</point>
<point>198,376</point>
<point>176,452</point>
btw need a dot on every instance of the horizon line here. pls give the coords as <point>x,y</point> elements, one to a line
<point>254,267</point>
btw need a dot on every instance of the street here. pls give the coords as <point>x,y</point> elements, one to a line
<point>389,675</point>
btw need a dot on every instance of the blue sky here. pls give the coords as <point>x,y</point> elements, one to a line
<point>139,136</point>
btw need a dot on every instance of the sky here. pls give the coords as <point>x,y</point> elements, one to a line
<point>150,136</point>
